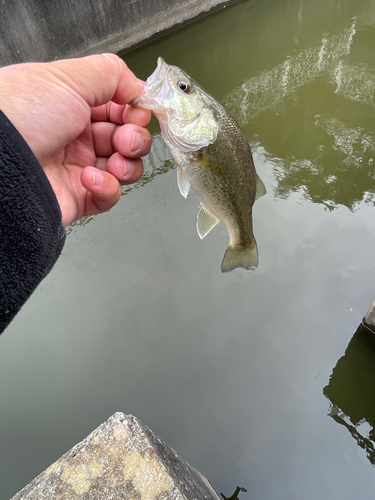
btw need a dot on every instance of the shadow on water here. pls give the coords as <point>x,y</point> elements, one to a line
<point>351,390</point>
<point>235,494</point>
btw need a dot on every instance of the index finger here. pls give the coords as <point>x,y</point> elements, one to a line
<point>120,114</point>
<point>109,112</point>
<point>99,78</point>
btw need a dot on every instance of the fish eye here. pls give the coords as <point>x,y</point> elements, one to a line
<point>184,86</point>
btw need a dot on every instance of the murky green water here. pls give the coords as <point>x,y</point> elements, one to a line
<point>261,380</point>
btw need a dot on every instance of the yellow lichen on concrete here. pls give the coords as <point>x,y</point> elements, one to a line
<point>121,433</point>
<point>121,459</point>
<point>54,468</point>
<point>96,441</point>
<point>148,477</point>
<point>81,476</point>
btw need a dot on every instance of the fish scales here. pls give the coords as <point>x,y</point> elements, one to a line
<point>228,194</point>
<point>212,155</point>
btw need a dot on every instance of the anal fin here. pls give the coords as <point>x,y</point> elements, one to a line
<point>260,188</point>
<point>205,222</point>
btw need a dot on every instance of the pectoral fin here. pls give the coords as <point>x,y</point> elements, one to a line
<point>205,222</point>
<point>182,182</point>
<point>260,188</point>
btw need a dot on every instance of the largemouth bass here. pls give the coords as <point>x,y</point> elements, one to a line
<point>212,155</point>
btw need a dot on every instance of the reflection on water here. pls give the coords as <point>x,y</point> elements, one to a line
<point>316,152</point>
<point>339,169</point>
<point>356,83</point>
<point>229,371</point>
<point>158,161</point>
<point>79,223</point>
<point>351,390</point>
<point>267,90</point>
<point>321,106</point>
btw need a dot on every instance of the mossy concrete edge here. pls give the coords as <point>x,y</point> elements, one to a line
<point>121,459</point>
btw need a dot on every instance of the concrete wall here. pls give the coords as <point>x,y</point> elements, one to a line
<point>43,30</point>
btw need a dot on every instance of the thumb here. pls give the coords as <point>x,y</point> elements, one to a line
<point>99,78</point>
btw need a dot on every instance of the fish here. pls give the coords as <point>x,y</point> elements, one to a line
<point>212,155</point>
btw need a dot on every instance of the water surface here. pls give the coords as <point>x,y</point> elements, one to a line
<point>260,380</point>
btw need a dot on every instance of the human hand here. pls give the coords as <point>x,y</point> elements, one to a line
<point>74,116</point>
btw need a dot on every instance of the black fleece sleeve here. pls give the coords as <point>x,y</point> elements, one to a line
<point>31,232</point>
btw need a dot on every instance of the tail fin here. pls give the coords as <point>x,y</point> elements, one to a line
<point>237,256</point>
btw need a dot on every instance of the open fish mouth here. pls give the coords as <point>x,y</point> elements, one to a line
<point>154,84</point>
<point>155,80</point>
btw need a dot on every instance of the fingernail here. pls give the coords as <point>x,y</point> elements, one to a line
<point>137,142</point>
<point>128,167</point>
<point>98,178</point>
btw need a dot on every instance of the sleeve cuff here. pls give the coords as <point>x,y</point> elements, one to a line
<point>31,231</point>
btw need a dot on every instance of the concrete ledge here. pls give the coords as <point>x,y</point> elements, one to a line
<point>121,459</point>
<point>369,319</point>
<point>44,31</point>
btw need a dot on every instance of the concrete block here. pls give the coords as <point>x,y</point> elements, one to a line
<point>369,319</point>
<point>121,459</point>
